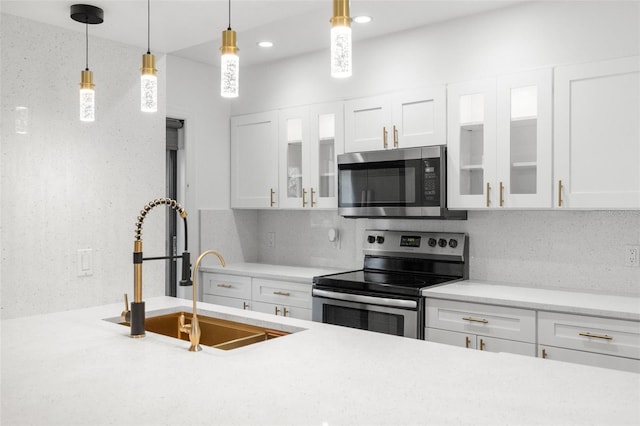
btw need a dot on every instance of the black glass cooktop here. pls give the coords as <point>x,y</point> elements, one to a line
<point>380,282</point>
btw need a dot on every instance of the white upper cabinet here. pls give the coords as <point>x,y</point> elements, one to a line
<point>254,160</point>
<point>400,120</point>
<point>500,142</point>
<point>597,135</point>
<point>294,157</point>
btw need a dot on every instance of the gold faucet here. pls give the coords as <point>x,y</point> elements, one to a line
<point>194,328</point>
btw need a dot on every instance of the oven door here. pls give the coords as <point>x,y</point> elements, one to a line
<point>400,317</point>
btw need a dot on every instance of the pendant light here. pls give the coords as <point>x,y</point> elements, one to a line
<point>340,40</point>
<point>148,79</point>
<point>229,63</point>
<point>87,14</point>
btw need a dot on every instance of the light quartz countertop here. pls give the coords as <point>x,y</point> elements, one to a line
<point>277,272</point>
<point>75,368</point>
<point>546,299</point>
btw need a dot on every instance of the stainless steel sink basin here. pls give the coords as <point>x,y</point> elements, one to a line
<point>216,332</point>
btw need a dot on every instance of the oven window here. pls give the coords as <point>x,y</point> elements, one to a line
<point>363,319</point>
<point>388,183</point>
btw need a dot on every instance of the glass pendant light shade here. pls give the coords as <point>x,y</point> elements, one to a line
<point>148,84</point>
<point>87,97</point>
<point>229,65</point>
<point>341,40</point>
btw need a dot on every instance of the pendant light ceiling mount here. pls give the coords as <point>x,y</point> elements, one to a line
<point>87,14</point>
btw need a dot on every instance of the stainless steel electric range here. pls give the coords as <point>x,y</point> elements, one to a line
<point>386,295</point>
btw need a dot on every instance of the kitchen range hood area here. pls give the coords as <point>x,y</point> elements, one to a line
<point>540,324</point>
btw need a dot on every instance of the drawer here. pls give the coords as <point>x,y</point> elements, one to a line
<point>226,285</point>
<point>589,358</point>
<point>485,320</point>
<point>231,302</point>
<point>282,293</point>
<point>280,310</point>
<point>590,334</point>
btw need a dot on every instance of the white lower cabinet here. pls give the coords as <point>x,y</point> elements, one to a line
<point>603,342</point>
<point>478,326</point>
<point>289,299</point>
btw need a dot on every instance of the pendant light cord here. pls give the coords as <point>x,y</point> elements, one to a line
<point>229,27</point>
<point>87,46</point>
<point>148,26</point>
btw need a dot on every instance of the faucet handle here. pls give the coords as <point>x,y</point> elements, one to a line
<point>125,316</point>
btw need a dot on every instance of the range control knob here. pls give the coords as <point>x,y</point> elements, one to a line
<point>453,243</point>
<point>380,239</point>
<point>432,242</point>
<point>442,242</point>
<point>371,239</point>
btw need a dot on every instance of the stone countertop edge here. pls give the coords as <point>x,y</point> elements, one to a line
<point>618,306</point>
<point>75,368</point>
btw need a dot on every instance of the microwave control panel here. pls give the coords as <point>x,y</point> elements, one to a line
<point>431,188</point>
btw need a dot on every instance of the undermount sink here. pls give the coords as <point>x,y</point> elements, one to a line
<point>217,333</point>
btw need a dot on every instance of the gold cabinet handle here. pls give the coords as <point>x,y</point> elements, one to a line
<point>276,310</point>
<point>225,285</point>
<point>286,311</point>
<point>313,192</point>
<point>488,194</point>
<point>482,345</point>
<point>544,354</point>
<point>245,306</point>
<point>304,197</point>
<point>384,138</point>
<point>271,202</point>
<point>560,193</point>
<point>282,293</point>
<point>472,319</point>
<point>597,336</point>
<point>395,136</point>
<point>467,341</point>
<point>501,195</point>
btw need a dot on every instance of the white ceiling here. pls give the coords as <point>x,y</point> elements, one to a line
<point>192,29</point>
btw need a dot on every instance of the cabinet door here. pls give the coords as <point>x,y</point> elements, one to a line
<point>327,142</point>
<point>294,157</point>
<point>419,117</point>
<point>589,358</point>
<point>453,338</point>
<point>491,344</point>
<point>524,151</point>
<point>283,310</point>
<point>254,160</point>
<point>367,124</point>
<point>471,144</point>
<point>231,302</point>
<point>597,135</point>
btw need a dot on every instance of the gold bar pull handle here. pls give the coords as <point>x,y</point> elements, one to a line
<point>282,293</point>
<point>313,202</point>
<point>560,193</point>
<point>271,201</point>
<point>501,194</point>
<point>467,341</point>
<point>304,197</point>
<point>276,310</point>
<point>245,306</point>
<point>384,138</point>
<point>472,319</point>
<point>395,136</point>
<point>596,336</point>
<point>488,194</point>
<point>286,312</point>
<point>544,354</point>
<point>225,286</point>
<point>482,345</point>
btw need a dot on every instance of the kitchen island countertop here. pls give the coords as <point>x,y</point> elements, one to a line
<point>75,368</point>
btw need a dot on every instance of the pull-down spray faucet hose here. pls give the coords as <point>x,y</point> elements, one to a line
<point>137,306</point>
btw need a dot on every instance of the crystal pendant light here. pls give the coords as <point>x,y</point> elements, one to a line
<point>148,79</point>
<point>229,63</point>
<point>340,40</point>
<point>87,14</point>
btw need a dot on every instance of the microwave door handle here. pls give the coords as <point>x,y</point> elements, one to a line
<point>358,298</point>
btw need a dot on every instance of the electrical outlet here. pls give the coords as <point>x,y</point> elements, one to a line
<point>85,262</point>
<point>632,256</point>
<point>271,239</point>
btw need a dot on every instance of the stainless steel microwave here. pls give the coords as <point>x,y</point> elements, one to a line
<point>407,182</point>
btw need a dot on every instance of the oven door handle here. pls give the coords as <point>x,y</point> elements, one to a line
<point>348,297</point>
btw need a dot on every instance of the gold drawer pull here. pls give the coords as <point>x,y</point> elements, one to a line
<point>560,193</point>
<point>225,285</point>
<point>304,197</point>
<point>271,194</point>
<point>385,145</point>
<point>472,319</point>
<point>488,194</point>
<point>282,293</point>
<point>245,306</point>
<point>482,345</point>
<point>467,341</point>
<point>597,336</point>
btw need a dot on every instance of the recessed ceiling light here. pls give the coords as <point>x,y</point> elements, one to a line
<point>265,43</point>
<point>362,19</point>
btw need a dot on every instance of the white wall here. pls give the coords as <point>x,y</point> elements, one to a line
<point>68,185</point>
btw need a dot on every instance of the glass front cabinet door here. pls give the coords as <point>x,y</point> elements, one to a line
<point>500,142</point>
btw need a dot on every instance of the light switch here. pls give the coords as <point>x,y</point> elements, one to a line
<point>85,262</point>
